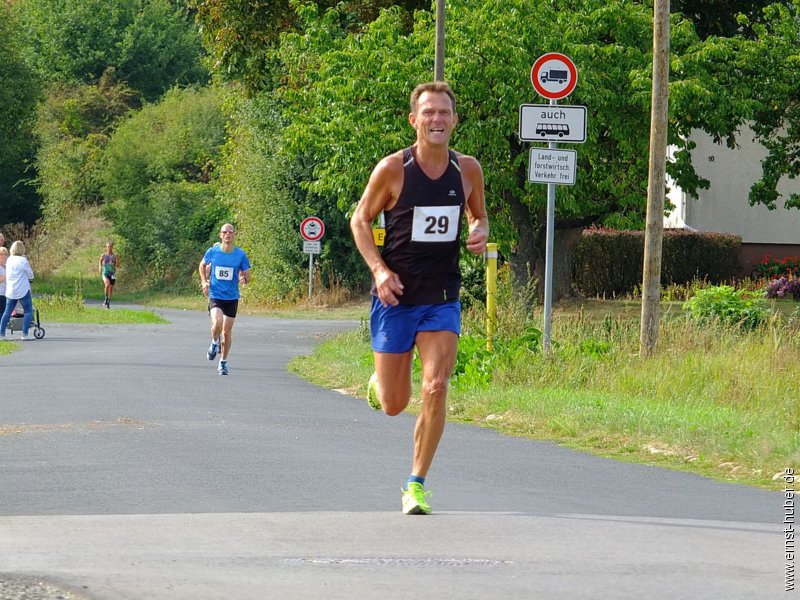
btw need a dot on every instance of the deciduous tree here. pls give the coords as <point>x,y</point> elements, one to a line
<point>152,44</point>
<point>19,92</point>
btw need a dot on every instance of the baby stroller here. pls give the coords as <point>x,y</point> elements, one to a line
<point>15,322</point>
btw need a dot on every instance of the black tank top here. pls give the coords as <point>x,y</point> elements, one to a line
<point>423,233</point>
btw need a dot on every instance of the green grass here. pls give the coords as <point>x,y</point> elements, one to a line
<point>56,306</point>
<point>714,400</point>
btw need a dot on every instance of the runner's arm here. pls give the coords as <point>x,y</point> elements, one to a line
<point>203,269</point>
<point>477,219</point>
<point>381,190</point>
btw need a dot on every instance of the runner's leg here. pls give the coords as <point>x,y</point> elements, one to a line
<point>227,335</point>
<point>437,353</point>
<point>394,380</point>
<point>216,323</point>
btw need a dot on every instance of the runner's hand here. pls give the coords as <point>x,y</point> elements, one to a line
<point>476,241</point>
<point>389,287</point>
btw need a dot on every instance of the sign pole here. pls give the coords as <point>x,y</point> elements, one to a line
<point>554,76</point>
<point>548,257</point>
<point>312,229</point>
<point>310,271</point>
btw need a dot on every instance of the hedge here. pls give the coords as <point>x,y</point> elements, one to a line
<point>609,262</point>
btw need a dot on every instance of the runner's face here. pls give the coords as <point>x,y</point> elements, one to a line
<point>226,234</point>
<point>434,119</point>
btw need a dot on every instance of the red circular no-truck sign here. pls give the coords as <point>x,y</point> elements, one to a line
<point>554,75</point>
<point>312,229</point>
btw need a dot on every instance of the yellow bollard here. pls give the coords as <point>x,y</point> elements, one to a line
<point>491,294</point>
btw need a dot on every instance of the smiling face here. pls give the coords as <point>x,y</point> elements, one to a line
<point>434,118</point>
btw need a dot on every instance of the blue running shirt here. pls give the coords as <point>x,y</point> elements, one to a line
<point>225,268</point>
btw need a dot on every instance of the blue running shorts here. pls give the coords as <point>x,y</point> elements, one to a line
<point>394,328</point>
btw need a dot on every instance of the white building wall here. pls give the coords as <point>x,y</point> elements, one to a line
<point>724,207</point>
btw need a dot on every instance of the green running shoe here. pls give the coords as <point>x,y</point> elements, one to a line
<point>414,500</point>
<point>372,392</point>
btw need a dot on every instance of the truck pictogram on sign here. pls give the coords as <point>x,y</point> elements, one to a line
<point>558,75</point>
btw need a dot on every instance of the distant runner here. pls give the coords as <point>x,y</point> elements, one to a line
<point>108,271</point>
<point>222,269</point>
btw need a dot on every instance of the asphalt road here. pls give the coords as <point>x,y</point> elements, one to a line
<point>130,470</point>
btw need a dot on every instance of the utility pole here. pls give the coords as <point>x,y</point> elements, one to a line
<point>438,64</point>
<point>654,233</point>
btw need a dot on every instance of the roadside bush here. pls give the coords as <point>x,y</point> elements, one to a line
<point>728,306</point>
<point>608,263</point>
<point>159,177</point>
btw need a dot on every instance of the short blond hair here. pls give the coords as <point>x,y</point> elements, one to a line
<point>3,251</point>
<point>18,248</point>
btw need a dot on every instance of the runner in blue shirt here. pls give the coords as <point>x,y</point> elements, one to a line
<point>223,268</point>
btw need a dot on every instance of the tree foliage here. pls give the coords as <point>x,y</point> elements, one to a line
<point>241,37</point>
<point>19,91</point>
<point>73,126</point>
<point>152,44</point>
<point>771,64</point>
<point>720,17</point>
<point>159,180</point>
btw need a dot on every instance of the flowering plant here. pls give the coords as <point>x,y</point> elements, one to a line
<point>784,267</point>
<point>783,287</point>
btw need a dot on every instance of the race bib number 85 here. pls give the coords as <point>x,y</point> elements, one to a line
<point>435,224</point>
<point>223,273</point>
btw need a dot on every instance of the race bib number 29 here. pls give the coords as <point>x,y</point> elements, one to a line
<point>223,273</point>
<point>435,224</point>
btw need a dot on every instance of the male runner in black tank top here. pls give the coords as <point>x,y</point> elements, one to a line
<point>423,191</point>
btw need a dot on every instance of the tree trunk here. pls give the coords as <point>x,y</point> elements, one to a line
<point>564,242</point>
<point>527,263</point>
<point>524,259</point>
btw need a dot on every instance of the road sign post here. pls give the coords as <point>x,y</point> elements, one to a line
<point>312,229</point>
<point>553,76</point>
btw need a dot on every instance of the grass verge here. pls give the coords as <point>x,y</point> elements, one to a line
<point>715,400</point>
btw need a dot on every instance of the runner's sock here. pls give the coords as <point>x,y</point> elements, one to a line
<point>415,479</point>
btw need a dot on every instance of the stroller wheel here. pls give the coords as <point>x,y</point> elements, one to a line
<point>38,333</point>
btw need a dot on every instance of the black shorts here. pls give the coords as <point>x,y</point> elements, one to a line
<point>112,279</point>
<point>228,307</point>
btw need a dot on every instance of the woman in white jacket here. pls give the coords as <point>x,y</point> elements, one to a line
<point>3,259</point>
<point>18,288</point>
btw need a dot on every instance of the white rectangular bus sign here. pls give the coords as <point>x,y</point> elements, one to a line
<point>552,123</point>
